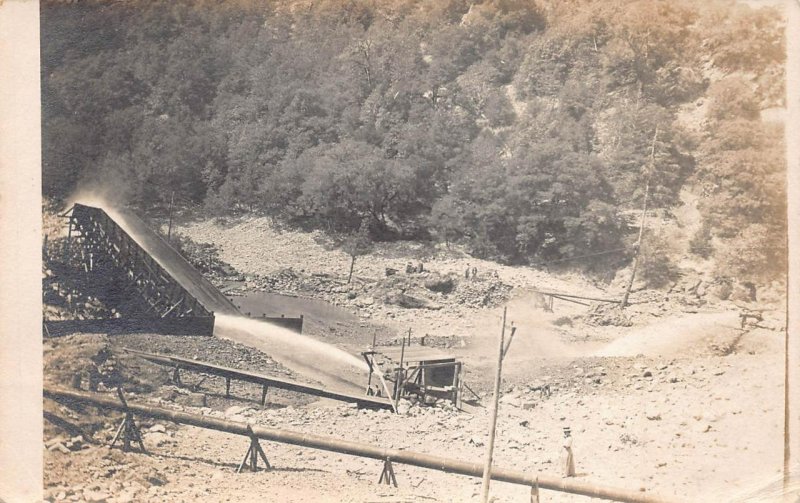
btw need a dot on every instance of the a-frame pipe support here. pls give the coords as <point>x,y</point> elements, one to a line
<point>253,453</point>
<point>127,429</point>
<point>387,474</point>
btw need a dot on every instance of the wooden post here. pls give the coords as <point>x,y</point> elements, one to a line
<point>459,388</point>
<point>399,380</point>
<point>487,468</point>
<point>369,362</point>
<point>169,226</point>
<point>510,338</point>
<point>369,377</point>
<point>638,246</point>
<point>68,241</point>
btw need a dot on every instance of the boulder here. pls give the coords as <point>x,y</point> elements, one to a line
<point>403,407</point>
<point>440,284</point>
<point>409,302</point>
<point>157,428</point>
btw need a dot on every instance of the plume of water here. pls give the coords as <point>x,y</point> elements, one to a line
<point>310,357</point>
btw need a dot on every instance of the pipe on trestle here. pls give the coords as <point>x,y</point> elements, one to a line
<point>472,469</point>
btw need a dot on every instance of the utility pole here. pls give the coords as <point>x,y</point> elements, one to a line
<point>169,226</point>
<point>487,468</point>
<point>638,246</point>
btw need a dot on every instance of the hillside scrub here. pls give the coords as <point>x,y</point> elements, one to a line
<point>521,129</point>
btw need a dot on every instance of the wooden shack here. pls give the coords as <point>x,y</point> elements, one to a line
<point>415,373</point>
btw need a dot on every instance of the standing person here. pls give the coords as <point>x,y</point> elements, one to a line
<point>474,272</point>
<point>567,458</point>
<point>466,274</point>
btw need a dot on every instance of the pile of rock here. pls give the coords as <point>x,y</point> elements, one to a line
<point>607,315</point>
<point>481,292</point>
<point>210,349</point>
<point>284,280</point>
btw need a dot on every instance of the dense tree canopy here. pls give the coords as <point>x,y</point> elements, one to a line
<point>523,128</point>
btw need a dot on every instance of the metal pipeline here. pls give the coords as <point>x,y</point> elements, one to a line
<point>357,449</point>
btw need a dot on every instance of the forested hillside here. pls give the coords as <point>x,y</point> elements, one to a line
<point>526,130</point>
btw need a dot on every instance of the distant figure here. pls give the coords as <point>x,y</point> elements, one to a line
<point>466,273</point>
<point>409,268</point>
<point>474,272</point>
<point>420,268</point>
<point>567,458</point>
<point>745,314</point>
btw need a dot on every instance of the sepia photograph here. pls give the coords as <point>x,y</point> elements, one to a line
<point>396,251</point>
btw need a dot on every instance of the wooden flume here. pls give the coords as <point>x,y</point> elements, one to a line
<point>186,364</point>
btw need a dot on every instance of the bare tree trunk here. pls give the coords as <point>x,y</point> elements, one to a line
<point>352,265</point>
<point>641,224</point>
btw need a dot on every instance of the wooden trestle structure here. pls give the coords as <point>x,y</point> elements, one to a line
<point>101,239</point>
<point>174,297</point>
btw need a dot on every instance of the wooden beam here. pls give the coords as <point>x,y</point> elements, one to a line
<point>559,294</point>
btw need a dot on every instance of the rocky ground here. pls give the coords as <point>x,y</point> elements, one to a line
<point>671,396</point>
<point>699,428</point>
<point>441,301</point>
